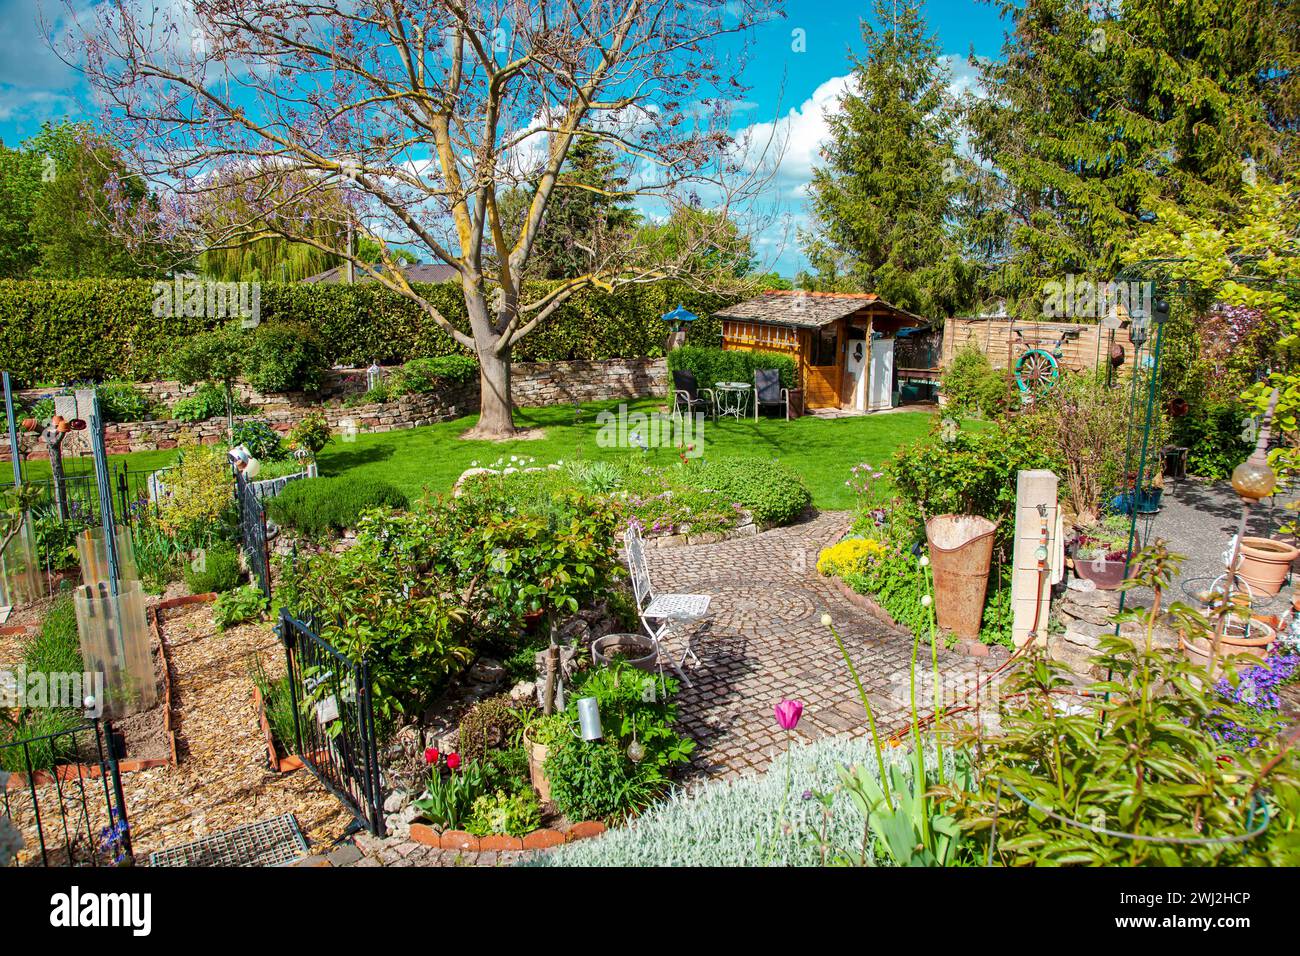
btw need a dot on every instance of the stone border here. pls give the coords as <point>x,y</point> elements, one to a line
<point>747,530</point>
<point>540,839</point>
<point>83,771</point>
<point>966,646</point>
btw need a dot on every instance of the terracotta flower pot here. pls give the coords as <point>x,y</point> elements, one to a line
<point>1265,563</point>
<point>1237,640</point>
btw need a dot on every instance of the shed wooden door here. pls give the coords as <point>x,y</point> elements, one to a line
<point>825,364</point>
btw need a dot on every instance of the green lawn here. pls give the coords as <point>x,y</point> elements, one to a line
<point>822,450</point>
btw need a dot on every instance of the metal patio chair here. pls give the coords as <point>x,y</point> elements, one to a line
<point>689,398</point>
<point>660,612</point>
<point>768,391</point>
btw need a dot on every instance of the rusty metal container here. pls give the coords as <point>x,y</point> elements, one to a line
<point>961,550</point>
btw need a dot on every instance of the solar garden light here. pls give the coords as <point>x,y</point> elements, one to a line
<point>589,719</point>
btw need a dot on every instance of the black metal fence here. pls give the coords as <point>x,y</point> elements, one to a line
<point>62,794</point>
<point>252,533</point>
<point>334,720</point>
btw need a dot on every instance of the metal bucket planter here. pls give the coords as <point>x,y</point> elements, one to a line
<point>633,649</point>
<point>1265,563</point>
<point>961,550</point>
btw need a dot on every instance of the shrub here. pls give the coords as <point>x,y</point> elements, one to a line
<point>215,569</point>
<point>199,494</point>
<point>310,434</point>
<point>491,724</point>
<point>774,493</point>
<point>972,386</point>
<point>122,402</point>
<point>966,471</point>
<point>285,356</point>
<point>425,374</point>
<point>316,507</point>
<point>262,441</point>
<point>895,581</point>
<point>713,365</point>
<point>1215,436</point>
<point>237,606</point>
<point>209,401</point>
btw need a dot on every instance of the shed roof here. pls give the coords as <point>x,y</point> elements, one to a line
<point>812,310</point>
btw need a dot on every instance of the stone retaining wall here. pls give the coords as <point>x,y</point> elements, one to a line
<point>533,384</point>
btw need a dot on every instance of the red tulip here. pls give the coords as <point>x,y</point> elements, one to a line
<point>431,755</point>
<point>453,761</point>
<point>788,713</point>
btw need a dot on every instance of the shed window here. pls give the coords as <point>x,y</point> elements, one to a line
<point>824,347</point>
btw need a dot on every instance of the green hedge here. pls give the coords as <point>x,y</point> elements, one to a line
<point>97,329</point>
<point>317,507</point>
<point>713,365</point>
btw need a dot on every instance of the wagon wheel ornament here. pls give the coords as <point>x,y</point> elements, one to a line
<point>1036,372</point>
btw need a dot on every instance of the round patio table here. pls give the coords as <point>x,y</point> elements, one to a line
<point>733,399</point>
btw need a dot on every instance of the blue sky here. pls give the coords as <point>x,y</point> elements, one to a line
<point>788,87</point>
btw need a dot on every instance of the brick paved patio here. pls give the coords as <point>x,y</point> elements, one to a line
<point>766,642</point>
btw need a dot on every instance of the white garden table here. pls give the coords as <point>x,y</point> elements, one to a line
<point>733,399</point>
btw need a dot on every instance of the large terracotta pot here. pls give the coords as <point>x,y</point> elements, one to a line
<point>1236,640</point>
<point>1265,563</point>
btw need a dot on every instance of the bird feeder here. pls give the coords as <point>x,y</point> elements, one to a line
<point>676,320</point>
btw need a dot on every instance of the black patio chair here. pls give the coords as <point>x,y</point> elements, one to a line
<point>689,398</point>
<point>768,391</point>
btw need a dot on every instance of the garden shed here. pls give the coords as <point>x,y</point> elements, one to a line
<point>842,343</point>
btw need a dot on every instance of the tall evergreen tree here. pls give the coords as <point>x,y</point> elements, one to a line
<point>1097,111</point>
<point>883,197</point>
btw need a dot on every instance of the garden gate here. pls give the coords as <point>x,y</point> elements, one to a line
<point>334,720</point>
<point>252,533</point>
<point>61,793</point>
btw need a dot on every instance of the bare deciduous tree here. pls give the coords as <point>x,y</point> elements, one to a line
<point>422,115</point>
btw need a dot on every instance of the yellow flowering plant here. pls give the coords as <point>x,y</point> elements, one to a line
<point>848,556</point>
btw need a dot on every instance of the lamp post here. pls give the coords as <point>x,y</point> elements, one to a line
<point>1252,480</point>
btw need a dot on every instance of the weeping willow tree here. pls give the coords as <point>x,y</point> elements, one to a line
<point>252,247</point>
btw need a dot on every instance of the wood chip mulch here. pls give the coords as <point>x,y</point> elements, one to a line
<point>222,780</point>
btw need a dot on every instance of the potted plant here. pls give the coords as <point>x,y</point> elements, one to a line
<point>1100,552</point>
<point>539,734</point>
<point>1149,495</point>
<point>1266,563</point>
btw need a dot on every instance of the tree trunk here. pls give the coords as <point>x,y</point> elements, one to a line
<point>494,420</point>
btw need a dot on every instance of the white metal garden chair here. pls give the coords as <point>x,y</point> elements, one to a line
<point>660,612</point>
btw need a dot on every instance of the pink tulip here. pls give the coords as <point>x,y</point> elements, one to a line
<point>788,713</point>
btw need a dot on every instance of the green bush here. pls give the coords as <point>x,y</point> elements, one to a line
<point>285,356</point>
<point>713,365</point>
<point>261,440</point>
<point>216,569</point>
<point>491,724</point>
<point>209,401</point>
<point>1214,436</point>
<point>238,606</point>
<point>106,328</point>
<point>515,814</point>
<point>122,402</point>
<point>774,493</point>
<point>316,507</point>
<point>972,386</point>
<point>425,374</point>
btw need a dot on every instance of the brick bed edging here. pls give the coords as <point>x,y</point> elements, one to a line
<point>88,771</point>
<point>966,646</point>
<point>540,839</point>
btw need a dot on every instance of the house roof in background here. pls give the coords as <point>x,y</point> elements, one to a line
<point>812,310</point>
<point>413,273</point>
